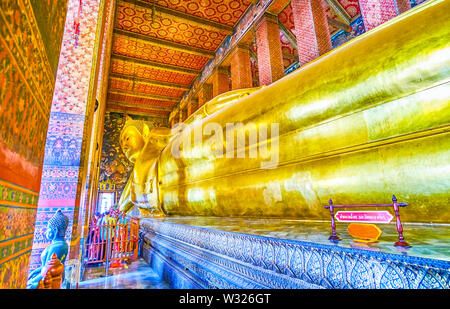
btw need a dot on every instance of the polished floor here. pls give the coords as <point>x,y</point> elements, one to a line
<point>427,240</point>
<point>138,275</point>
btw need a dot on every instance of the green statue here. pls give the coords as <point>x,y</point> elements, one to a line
<point>56,229</point>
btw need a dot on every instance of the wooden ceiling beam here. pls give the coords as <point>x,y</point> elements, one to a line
<point>149,81</point>
<point>339,10</point>
<point>143,95</point>
<point>277,6</point>
<point>339,25</point>
<point>288,34</point>
<point>114,109</point>
<point>166,44</point>
<point>157,65</point>
<point>181,15</point>
<point>138,105</point>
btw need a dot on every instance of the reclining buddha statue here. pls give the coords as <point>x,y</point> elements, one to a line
<point>363,122</point>
<point>143,146</point>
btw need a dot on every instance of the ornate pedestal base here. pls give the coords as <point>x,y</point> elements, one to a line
<point>195,257</point>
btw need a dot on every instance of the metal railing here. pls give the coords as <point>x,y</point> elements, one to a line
<point>401,240</point>
<point>113,243</point>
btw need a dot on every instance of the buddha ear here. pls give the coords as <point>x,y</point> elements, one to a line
<point>50,234</point>
<point>128,118</point>
<point>145,131</point>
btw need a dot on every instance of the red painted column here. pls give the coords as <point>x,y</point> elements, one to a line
<point>192,106</point>
<point>176,116</point>
<point>220,81</point>
<point>377,12</point>
<point>311,27</point>
<point>185,113</point>
<point>403,6</point>
<point>270,58</point>
<point>241,73</point>
<point>205,94</point>
<point>189,107</point>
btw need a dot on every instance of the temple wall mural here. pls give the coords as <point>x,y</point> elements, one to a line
<point>67,119</point>
<point>114,165</point>
<point>30,39</point>
<point>51,32</point>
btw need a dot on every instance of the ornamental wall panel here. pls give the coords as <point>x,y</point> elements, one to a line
<point>67,118</point>
<point>30,39</point>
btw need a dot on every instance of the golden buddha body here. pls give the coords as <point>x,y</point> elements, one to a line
<point>364,122</point>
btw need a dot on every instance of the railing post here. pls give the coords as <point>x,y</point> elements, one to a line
<point>135,234</point>
<point>333,236</point>
<point>401,240</point>
<point>108,249</point>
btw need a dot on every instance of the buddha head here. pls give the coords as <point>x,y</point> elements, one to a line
<point>132,138</point>
<point>136,136</point>
<point>57,226</point>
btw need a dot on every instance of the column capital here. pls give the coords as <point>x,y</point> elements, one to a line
<point>266,17</point>
<point>221,70</point>
<point>240,46</point>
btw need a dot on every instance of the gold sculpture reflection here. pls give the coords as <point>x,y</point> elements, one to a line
<point>366,121</point>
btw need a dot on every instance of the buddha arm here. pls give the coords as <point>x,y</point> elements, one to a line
<point>125,202</point>
<point>35,275</point>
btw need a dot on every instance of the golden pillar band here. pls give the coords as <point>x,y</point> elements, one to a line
<point>359,124</point>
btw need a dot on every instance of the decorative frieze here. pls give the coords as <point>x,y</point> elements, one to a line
<point>224,259</point>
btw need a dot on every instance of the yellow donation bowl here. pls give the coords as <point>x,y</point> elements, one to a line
<point>364,233</point>
<point>359,124</point>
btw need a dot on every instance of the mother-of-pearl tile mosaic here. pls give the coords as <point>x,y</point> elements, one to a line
<point>258,253</point>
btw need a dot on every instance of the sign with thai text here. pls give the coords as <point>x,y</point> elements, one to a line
<point>364,216</point>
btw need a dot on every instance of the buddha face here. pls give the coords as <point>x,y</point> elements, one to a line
<point>50,234</point>
<point>132,143</point>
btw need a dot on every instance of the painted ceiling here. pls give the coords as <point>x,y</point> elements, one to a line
<point>161,46</point>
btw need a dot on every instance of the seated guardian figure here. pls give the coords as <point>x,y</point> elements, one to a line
<point>142,147</point>
<point>56,229</point>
